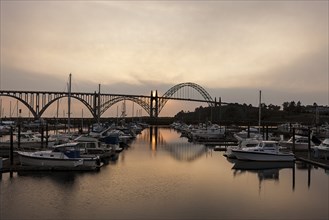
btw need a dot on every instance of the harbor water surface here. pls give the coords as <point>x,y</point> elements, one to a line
<point>163,176</point>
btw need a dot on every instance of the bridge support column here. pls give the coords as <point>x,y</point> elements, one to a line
<point>99,103</point>
<point>95,107</point>
<point>154,104</point>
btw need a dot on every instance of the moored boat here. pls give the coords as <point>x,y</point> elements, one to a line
<point>62,157</point>
<point>322,150</point>
<point>264,151</point>
<point>208,133</point>
<point>248,142</point>
<point>29,140</point>
<point>301,143</point>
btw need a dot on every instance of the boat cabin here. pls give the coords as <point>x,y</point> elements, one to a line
<point>71,151</point>
<point>268,145</point>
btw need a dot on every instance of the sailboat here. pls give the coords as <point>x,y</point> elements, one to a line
<point>65,156</point>
<point>243,139</point>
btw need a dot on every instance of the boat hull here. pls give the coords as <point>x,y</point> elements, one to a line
<point>26,159</point>
<point>262,156</point>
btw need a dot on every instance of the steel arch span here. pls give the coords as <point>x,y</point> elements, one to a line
<point>177,87</point>
<point>105,106</point>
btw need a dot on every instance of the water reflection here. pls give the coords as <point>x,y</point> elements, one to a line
<point>265,171</point>
<point>66,179</point>
<point>271,170</point>
<point>186,151</point>
<point>181,151</point>
<point>260,165</point>
<point>181,182</point>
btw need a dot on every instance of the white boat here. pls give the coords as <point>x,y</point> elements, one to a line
<point>264,151</point>
<point>92,146</point>
<point>253,132</point>
<point>301,143</point>
<point>115,136</point>
<point>28,140</point>
<point>62,157</point>
<point>243,143</point>
<point>211,132</point>
<point>322,150</point>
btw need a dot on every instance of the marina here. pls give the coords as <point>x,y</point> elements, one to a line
<point>164,110</point>
<point>164,176</point>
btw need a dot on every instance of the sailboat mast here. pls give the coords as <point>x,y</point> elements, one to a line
<point>69,104</point>
<point>99,104</point>
<point>259,108</point>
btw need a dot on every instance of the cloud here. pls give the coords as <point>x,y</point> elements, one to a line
<point>136,47</point>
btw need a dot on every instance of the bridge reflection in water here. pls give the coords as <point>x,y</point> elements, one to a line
<point>180,150</point>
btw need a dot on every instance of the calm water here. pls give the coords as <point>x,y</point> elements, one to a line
<point>165,177</point>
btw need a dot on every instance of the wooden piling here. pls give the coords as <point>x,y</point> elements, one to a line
<point>293,140</point>
<point>248,131</point>
<point>11,146</point>
<point>46,134</point>
<point>42,135</point>
<point>19,135</point>
<point>309,142</point>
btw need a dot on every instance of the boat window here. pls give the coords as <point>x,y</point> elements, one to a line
<point>89,145</point>
<point>58,149</point>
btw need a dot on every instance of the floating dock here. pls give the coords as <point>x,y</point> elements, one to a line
<point>309,158</point>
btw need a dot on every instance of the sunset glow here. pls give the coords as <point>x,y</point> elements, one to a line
<point>232,49</point>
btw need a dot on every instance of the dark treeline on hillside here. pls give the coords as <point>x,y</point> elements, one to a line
<point>243,114</point>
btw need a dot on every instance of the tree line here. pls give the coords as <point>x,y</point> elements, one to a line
<point>235,113</point>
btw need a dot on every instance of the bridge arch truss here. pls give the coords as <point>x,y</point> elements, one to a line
<point>169,94</point>
<point>39,101</point>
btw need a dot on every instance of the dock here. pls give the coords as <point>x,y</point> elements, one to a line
<point>309,158</point>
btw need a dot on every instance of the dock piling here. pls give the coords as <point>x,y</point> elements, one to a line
<point>11,146</point>
<point>293,140</point>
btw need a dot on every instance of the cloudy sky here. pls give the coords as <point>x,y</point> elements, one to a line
<point>233,49</point>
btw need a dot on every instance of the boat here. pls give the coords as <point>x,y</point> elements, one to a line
<point>264,151</point>
<point>243,143</point>
<point>28,140</point>
<point>301,143</point>
<point>62,157</point>
<point>92,146</point>
<point>322,150</point>
<point>208,133</point>
<point>253,132</point>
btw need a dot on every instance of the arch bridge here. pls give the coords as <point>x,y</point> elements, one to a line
<point>97,103</point>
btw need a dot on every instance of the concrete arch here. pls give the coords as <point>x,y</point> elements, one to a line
<point>24,102</point>
<point>177,87</point>
<point>65,96</point>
